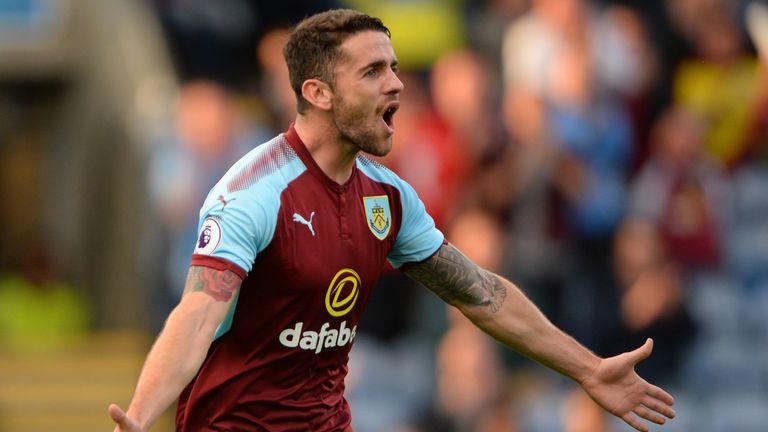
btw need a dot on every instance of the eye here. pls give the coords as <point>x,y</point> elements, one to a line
<point>371,73</point>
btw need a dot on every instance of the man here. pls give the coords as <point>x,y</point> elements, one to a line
<point>299,231</point>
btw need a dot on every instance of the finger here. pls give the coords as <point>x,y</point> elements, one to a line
<point>643,352</point>
<point>117,414</point>
<point>649,415</point>
<point>633,421</point>
<point>661,395</point>
<point>658,406</point>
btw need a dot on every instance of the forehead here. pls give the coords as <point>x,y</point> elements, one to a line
<point>366,47</point>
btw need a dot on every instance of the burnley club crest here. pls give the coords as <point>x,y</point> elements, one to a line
<point>377,215</point>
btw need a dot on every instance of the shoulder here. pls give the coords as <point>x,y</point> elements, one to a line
<point>380,173</point>
<point>258,178</point>
<point>405,194</point>
<point>270,162</point>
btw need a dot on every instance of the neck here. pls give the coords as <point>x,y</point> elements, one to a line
<point>331,153</point>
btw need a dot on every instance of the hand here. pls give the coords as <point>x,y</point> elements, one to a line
<point>124,423</point>
<point>616,387</point>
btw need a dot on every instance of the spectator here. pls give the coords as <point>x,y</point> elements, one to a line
<point>275,88</point>
<point>462,78</point>
<point>519,187</point>
<point>683,192</point>
<point>207,136</point>
<point>593,137</point>
<point>720,82</point>
<point>650,293</point>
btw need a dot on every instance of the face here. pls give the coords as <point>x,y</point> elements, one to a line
<point>366,92</point>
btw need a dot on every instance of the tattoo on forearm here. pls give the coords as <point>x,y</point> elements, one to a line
<point>456,279</point>
<point>219,284</point>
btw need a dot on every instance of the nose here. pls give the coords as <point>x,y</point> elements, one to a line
<point>394,85</point>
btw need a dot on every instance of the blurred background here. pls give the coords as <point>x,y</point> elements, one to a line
<point>610,157</point>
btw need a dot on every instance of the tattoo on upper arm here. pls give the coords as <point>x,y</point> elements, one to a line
<point>219,284</point>
<point>456,279</point>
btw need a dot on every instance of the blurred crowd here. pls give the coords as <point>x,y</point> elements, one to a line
<point>609,157</point>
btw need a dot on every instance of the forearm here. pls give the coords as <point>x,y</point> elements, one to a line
<point>520,325</point>
<point>171,364</point>
<point>181,347</point>
<point>500,309</point>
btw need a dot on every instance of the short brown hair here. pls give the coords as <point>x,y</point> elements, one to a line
<point>312,50</point>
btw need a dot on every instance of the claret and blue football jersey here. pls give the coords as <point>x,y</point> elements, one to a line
<point>310,251</point>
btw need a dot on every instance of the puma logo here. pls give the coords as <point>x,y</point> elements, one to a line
<point>300,219</point>
<point>224,201</point>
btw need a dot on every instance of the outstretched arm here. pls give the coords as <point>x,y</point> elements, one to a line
<point>181,347</point>
<point>500,309</point>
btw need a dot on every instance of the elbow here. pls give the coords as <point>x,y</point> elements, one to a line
<point>480,315</point>
<point>207,330</point>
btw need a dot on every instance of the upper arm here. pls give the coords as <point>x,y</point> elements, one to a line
<point>209,294</point>
<point>417,237</point>
<point>458,280</point>
<point>238,218</point>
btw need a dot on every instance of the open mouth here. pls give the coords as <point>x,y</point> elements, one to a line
<point>388,116</point>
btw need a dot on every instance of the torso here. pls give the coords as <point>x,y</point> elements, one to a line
<point>281,364</point>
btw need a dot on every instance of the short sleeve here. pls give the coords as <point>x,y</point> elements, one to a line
<point>233,227</point>
<point>238,219</point>
<point>418,237</point>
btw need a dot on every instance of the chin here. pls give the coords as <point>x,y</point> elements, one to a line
<point>380,150</point>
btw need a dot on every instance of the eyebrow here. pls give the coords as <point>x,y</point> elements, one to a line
<point>378,64</point>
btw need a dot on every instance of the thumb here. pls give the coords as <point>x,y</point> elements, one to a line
<point>643,352</point>
<point>117,414</point>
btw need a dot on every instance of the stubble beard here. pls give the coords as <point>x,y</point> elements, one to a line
<point>354,128</point>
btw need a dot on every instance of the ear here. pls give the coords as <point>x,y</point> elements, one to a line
<point>317,93</point>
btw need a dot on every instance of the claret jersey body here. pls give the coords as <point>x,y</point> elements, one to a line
<point>310,251</point>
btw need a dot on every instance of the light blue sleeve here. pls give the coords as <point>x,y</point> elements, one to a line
<point>236,225</point>
<point>418,237</point>
<point>238,229</point>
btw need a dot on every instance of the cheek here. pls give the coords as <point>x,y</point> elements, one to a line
<point>351,112</point>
